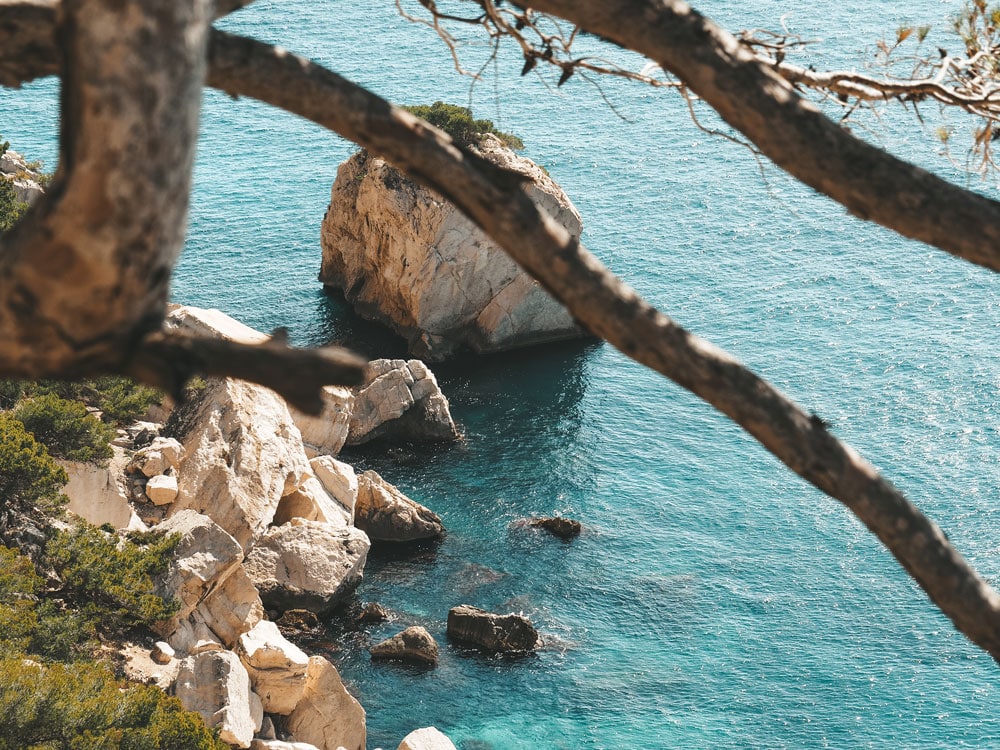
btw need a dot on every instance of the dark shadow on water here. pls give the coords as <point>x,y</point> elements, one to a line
<point>337,323</point>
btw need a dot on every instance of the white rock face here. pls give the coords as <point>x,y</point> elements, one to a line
<point>326,432</point>
<point>277,667</point>
<point>428,738</point>
<point>205,556</point>
<point>339,480</point>
<point>161,489</point>
<point>386,514</point>
<point>212,323</point>
<point>408,258</point>
<point>243,454</point>
<point>328,716</point>
<point>217,686</point>
<point>97,493</point>
<point>14,168</point>
<point>307,564</point>
<point>231,608</point>
<point>158,457</point>
<point>279,745</point>
<point>312,502</point>
<point>400,400</point>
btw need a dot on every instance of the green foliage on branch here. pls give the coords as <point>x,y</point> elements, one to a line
<point>458,122</point>
<point>29,478</point>
<point>66,428</point>
<point>120,400</point>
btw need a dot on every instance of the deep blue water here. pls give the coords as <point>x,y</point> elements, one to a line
<point>714,600</point>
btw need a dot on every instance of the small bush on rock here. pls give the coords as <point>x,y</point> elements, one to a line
<point>458,122</point>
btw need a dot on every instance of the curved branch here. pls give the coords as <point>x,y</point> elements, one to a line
<point>498,203</point>
<point>790,131</point>
<point>169,360</point>
<point>86,274</point>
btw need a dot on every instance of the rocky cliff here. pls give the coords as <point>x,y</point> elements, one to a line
<point>406,257</point>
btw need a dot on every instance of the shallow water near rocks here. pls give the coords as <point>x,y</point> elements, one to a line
<point>713,599</point>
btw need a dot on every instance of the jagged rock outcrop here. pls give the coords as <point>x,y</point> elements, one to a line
<point>242,455</point>
<point>400,400</point>
<point>328,716</point>
<point>408,258</point>
<point>325,433</point>
<point>217,686</point>
<point>492,632</point>
<point>413,645</point>
<point>26,180</point>
<point>307,565</point>
<point>277,667</point>
<point>387,515</point>
<point>99,495</point>
<point>232,608</point>
<point>339,480</point>
<point>312,502</point>
<point>428,738</point>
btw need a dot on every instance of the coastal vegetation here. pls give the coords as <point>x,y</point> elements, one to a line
<point>459,123</point>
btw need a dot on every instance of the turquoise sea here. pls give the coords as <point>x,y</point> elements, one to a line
<point>714,600</point>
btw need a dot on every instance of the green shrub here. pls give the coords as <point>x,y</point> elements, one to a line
<point>110,580</point>
<point>458,122</point>
<point>82,706</point>
<point>66,428</point>
<point>11,392</point>
<point>121,400</point>
<point>29,478</point>
<point>11,209</point>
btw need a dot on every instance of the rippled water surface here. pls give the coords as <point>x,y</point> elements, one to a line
<point>714,600</point>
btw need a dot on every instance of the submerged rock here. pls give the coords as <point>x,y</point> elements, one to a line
<point>564,528</point>
<point>387,515</point>
<point>492,632</point>
<point>406,257</point>
<point>414,645</point>
<point>370,614</point>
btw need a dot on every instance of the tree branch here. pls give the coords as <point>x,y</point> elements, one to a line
<point>610,309</point>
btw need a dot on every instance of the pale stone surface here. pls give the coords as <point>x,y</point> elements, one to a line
<point>162,652</point>
<point>386,514</point>
<point>307,564</point>
<point>98,493</point>
<point>312,502</point>
<point>408,258</point>
<point>139,666</point>
<point>428,738</point>
<point>328,716</point>
<point>205,556</point>
<point>192,636</point>
<point>214,323</point>
<point>414,645</point>
<point>161,489</point>
<point>14,168</point>
<point>158,457</point>
<point>400,400</point>
<point>232,608</point>
<point>339,480</point>
<point>217,686</point>
<point>326,432</point>
<point>280,745</point>
<point>277,667</point>
<point>243,454</point>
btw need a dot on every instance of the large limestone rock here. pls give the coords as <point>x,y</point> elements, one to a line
<point>387,515</point>
<point>339,480</point>
<point>325,433</point>
<point>203,558</point>
<point>413,645</point>
<point>313,502</point>
<point>98,493</point>
<point>259,744</point>
<point>307,564</point>
<point>400,400</point>
<point>232,608</point>
<point>408,258</point>
<point>491,632</point>
<point>328,716</point>
<point>217,686</point>
<point>428,738</point>
<point>243,454</point>
<point>26,181</point>
<point>277,667</point>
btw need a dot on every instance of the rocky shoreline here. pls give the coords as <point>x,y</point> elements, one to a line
<point>270,522</point>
